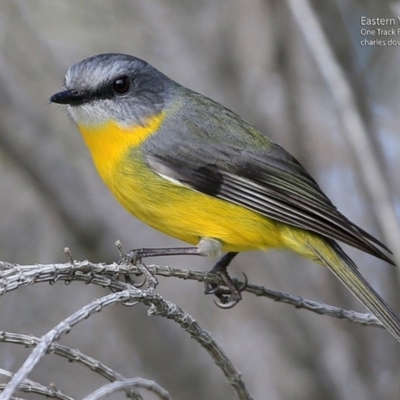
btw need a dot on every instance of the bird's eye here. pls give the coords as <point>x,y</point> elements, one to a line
<point>121,85</point>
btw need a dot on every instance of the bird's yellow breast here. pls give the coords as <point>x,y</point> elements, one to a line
<point>110,142</point>
<point>171,208</point>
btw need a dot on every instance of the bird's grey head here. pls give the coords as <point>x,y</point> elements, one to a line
<point>116,87</point>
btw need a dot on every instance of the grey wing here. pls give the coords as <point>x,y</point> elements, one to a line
<point>249,170</point>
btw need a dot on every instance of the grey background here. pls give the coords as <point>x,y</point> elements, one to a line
<point>250,56</point>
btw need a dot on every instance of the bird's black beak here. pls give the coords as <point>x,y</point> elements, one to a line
<point>70,96</point>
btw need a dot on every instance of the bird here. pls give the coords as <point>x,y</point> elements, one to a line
<point>195,170</point>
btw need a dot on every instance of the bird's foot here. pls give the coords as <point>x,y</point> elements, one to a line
<point>228,298</point>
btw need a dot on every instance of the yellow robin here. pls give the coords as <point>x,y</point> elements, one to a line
<point>189,167</point>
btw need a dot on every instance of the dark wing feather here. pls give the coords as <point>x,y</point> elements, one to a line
<point>249,170</point>
<point>292,199</point>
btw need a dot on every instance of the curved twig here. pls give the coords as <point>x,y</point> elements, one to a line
<point>70,354</point>
<point>129,383</point>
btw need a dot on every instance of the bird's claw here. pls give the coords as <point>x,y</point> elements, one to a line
<point>130,281</point>
<point>243,285</point>
<point>141,284</point>
<point>228,301</point>
<point>211,288</point>
<point>130,304</point>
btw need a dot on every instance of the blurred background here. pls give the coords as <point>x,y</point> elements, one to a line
<point>251,56</point>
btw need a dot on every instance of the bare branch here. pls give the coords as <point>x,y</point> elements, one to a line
<point>71,354</point>
<point>12,276</point>
<point>204,338</point>
<point>128,383</point>
<point>63,327</point>
<point>29,386</point>
<point>125,292</point>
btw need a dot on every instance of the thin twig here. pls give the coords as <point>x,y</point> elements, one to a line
<point>128,383</point>
<point>30,386</point>
<point>204,338</point>
<point>71,354</point>
<point>12,276</point>
<point>125,292</point>
<point>63,327</point>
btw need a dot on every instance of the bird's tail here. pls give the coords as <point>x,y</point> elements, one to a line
<point>347,272</point>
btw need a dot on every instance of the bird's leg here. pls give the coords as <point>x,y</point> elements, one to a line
<point>206,247</point>
<point>220,269</point>
<point>138,254</point>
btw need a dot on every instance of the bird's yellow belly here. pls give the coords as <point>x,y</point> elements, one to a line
<point>188,215</point>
